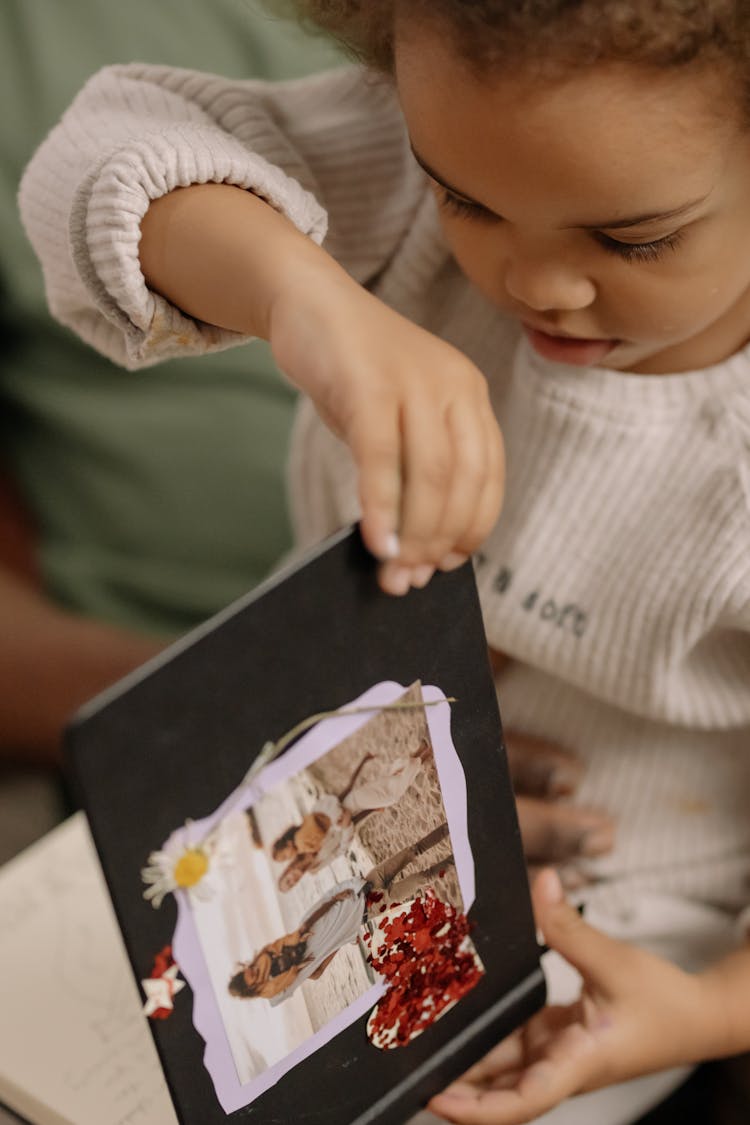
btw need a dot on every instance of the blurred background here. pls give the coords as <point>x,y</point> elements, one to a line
<point>132,505</point>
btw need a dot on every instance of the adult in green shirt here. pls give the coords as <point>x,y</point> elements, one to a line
<point>151,499</point>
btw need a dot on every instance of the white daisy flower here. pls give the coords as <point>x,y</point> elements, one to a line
<point>178,866</point>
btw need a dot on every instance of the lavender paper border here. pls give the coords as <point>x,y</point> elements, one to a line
<point>207,1020</point>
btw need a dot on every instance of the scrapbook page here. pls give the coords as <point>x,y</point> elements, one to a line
<point>304,816</point>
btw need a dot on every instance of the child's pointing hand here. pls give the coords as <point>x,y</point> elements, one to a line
<point>636,1014</point>
<point>415,413</point>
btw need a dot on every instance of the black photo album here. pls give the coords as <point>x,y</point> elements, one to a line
<point>305,819</point>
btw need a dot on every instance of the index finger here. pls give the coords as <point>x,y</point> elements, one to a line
<point>375,442</point>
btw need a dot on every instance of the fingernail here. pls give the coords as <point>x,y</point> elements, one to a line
<point>598,841</point>
<point>397,580</point>
<point>391,546</point>
<point>421,575</point>
<point>452,561</point>
<point>550,888</point>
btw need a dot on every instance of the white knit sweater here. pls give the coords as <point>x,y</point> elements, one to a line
<point>618,575</point>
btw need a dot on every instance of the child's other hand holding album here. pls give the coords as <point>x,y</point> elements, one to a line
<point>636,1014</point>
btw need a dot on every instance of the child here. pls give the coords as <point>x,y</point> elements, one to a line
<point>556,195</point>
<point>328,829</point>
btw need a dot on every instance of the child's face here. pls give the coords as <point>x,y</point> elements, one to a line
<point>543,176</point>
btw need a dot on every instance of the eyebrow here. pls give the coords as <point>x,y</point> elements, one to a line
<point>614,224</point>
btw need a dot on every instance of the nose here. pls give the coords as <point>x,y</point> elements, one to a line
<point>548,285</point>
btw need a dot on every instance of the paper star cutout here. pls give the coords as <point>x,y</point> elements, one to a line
<point>160,990</point>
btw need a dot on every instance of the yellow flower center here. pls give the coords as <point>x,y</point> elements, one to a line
<point>190,867</point>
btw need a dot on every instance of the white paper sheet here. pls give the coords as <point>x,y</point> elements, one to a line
<point>75,1048</point>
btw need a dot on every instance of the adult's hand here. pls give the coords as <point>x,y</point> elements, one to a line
<point>545,777</point>
<point>555,832</point>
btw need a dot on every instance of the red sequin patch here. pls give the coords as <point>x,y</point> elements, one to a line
<point>428,962</point>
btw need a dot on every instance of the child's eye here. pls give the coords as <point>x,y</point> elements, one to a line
<point>464,208</point>
<point>639,251</point>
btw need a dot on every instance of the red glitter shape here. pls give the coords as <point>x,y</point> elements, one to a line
<point>160,1014</point>
<point>428,963</point>
<point>162,962</point>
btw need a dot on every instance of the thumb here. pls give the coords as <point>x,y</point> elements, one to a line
<point>592,953</point>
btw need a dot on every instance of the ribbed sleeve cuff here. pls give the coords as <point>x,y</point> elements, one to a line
<point>105,230</point>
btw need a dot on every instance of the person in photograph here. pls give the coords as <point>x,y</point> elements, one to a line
<point>328,829</point>
<point>281,966</point>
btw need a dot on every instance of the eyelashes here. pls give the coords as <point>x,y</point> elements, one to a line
<point>629,251</point>
<point>640,251</point>
<point>464,208</point>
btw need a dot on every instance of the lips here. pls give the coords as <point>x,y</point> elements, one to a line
<point>578,350</point>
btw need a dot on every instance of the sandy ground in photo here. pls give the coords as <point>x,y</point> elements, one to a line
<point>390,735</point>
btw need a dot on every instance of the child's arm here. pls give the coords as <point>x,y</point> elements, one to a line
<point>52,661</point>
<point>414,411</point>
<point>637,1014</point>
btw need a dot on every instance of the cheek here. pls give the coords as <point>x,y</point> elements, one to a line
<point>648,305</point>
<point>699,284</point>
<point>671,301</point>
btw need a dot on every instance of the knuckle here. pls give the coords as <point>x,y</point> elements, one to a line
<point>375,460</point>
<point>437,472</point>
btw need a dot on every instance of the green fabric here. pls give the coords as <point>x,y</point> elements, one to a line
<point>159,495</point>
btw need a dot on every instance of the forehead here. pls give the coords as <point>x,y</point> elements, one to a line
<point>614,134</point>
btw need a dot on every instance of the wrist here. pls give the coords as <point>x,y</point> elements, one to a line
<point>312,310</point>
<point>726,999</point>
<point>307,283</point>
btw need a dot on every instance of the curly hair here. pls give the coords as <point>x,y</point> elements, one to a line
<point>238,986</point>
<point>563,34</point>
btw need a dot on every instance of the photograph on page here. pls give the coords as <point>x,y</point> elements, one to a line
<point>329,886</point>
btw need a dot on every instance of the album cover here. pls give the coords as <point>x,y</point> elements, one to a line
<point>305,819</point>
